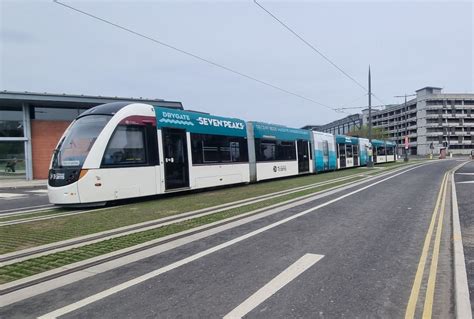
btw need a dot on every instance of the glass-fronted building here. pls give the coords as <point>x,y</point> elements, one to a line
<point>32,123</point>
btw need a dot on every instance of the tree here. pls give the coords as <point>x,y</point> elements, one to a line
<point>377,132</point>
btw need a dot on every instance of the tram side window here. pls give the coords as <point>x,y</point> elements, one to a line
<point>275,150</point>
<point>390,151</point>
<point>126,147</point>
<point>342,150</point>
<point>356,150</point>
<point>380,150</point>
<point>325,148</point>
<point>266,150</point>
<point>349,150</point>
<point>211,149</point>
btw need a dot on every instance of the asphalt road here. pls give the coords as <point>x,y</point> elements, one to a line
<point>465,192</point>
<point>24,198</point>
<point>371,242</point>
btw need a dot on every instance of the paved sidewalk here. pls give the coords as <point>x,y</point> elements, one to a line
<point>21,183</point>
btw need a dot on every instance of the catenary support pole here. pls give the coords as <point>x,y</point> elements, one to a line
<point>370,162</point>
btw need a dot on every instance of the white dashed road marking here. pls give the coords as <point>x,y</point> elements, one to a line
<point>10,195</point>
<point>39,191</point>
<point>138,280</point>
<point>274,285</point>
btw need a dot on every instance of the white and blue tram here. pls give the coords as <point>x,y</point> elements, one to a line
<point>384,151</point>
<point>124,150</point>
<point>325,158</point>
<point>278,151</point>
<point>347,151</point>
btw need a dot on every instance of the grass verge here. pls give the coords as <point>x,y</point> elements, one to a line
<point>36,233</point>
<point>44,263</point>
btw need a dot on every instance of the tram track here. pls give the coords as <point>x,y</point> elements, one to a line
<point>65,214</point>
<point>12,212</point>
<point>57,273</point>
<point>20,289</point>
<point>22,255</point>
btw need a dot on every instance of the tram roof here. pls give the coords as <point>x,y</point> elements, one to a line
<point>279,132</point>
<point>343,139</point>
<point>377,142</point>
<point>202,123</point>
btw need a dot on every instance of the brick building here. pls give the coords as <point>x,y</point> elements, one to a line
<point>32,123</point>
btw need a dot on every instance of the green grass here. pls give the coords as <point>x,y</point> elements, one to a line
<point>41,264</point>
<point>36,233</point>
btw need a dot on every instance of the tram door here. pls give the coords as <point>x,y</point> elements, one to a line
<point>326,155</point>
<point>303,156</point>
<point>175,158</point>
<point>342,155</point>
<point>355,153</point>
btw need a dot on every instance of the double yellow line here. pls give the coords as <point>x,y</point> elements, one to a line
<point>430,288</point>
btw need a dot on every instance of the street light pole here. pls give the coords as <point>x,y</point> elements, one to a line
<point>406,131</point>
<point>370,162</point>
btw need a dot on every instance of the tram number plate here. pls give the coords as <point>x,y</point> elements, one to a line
<point>57,176</point>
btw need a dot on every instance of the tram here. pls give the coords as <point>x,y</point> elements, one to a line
<point>125,150</point>
<point>325,157</point>
<point>278,151</point>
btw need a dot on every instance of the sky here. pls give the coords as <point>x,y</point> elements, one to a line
<point>45,47</point>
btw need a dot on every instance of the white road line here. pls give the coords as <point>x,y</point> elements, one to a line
<point>274,285</point>
<point>111,291</point>
<point>465,182</point>
<point>10,195</point>
<point>13,198</point>
<point>464,173</point>
<point>39,191</point>
<point>461,286</point>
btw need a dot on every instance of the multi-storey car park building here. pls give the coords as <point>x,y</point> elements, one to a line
<point>432,120</point>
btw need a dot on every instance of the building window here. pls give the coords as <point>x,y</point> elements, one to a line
<point>12,159</point>
<point>214,149</point>
<point>56,114</point>
<point>11,121</point>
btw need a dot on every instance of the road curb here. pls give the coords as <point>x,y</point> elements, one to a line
<point>462,301</point>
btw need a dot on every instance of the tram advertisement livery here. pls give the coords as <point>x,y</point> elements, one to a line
<point>124,150</point>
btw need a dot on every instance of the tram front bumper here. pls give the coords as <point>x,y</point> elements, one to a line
<point>64,195</point>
